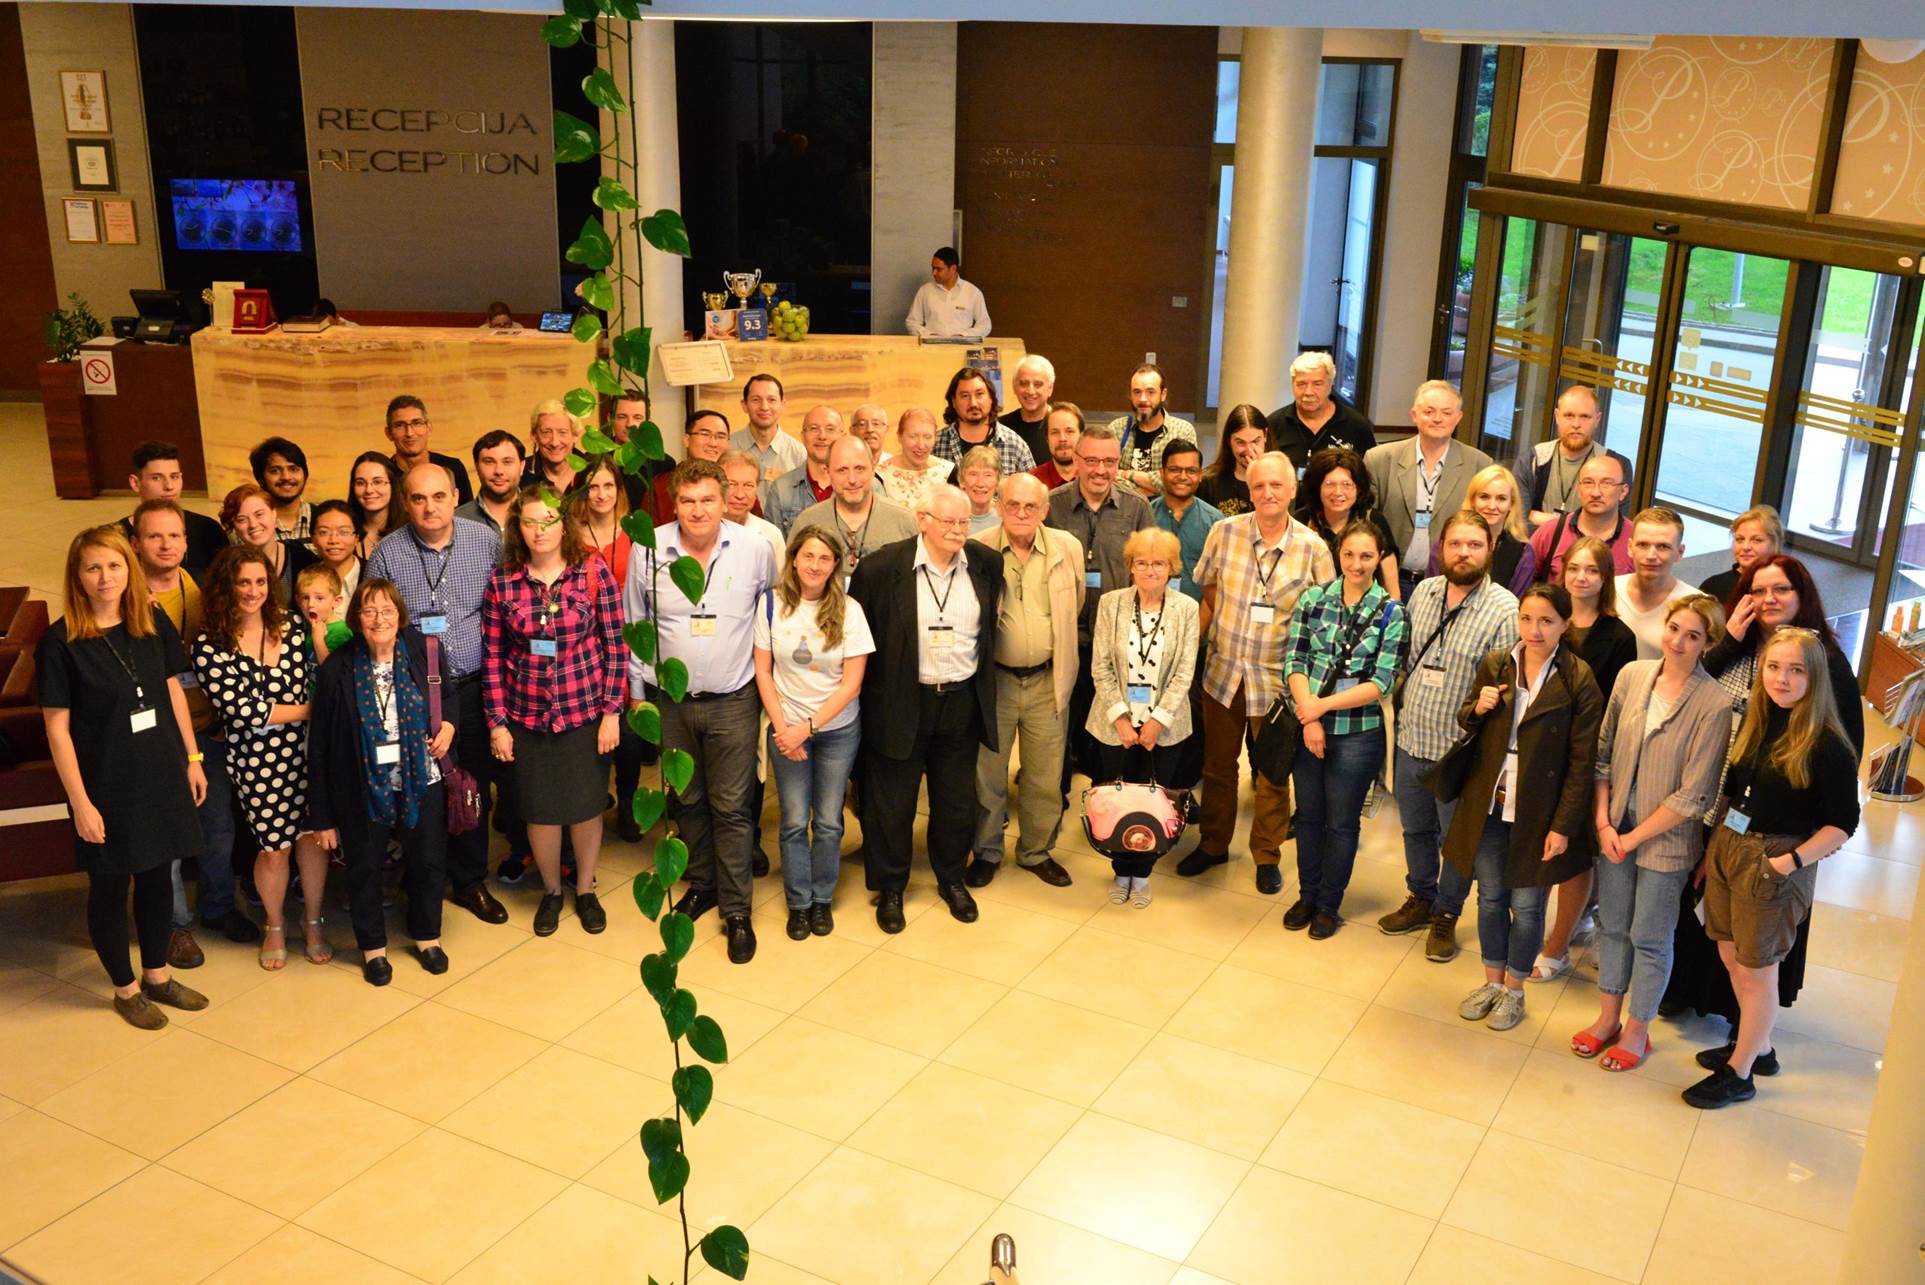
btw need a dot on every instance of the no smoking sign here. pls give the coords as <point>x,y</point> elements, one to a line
<point>97,374</point>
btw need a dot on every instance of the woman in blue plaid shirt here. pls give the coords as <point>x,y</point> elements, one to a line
<point>1341,657</point>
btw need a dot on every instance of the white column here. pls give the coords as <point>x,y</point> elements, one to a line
<point>1276,132</point>
<point>658,186</point>
<point>912,195</point>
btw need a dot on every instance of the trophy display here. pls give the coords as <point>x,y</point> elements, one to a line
<point>750,323</point>
<point>714,300</point>
<point>742,284</point>
<point>768,289</point>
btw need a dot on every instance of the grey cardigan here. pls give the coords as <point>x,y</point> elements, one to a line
<point>1110,663</point>
<point>1676,766</point>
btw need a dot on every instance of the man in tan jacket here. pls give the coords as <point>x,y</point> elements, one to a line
<point>1036,664</point>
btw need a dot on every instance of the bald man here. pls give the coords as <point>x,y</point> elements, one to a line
<point>870,422</point>
<point>784,499</point>
<point>857,513</point>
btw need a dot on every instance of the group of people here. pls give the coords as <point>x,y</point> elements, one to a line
<point>374,675</point>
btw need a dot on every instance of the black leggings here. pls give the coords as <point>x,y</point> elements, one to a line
<point>153,919</point>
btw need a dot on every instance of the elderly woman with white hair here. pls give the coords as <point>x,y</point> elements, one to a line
<point>1316,420</point>
<point>553,431</point>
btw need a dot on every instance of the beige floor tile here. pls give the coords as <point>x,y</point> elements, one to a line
<point>9,1108</point>
<point>1805,1170</point>
<point>1048,1250</point>
<point>1131,1185</point>
<point>1889,830</point>
<point>1356,962</point>
<point>1182,916</point>
<point>1077,904</point>
<point>740,1163</point>
<point>397,1211</point>
<point>1002,947</point>
<point>816,1078</point>
<point>1858,941</point>
<point>630,934</point>
<point>1842,1008</point>
<point>561,1110</point>
<point>295,1253</point>
<point>1280,1228</point>
<point>304,1015</point>
<point>428,1061</point>
<point>768,1271</point>
<point>1871,883</point>
<point>19,984</point>
<point>631,1034</point>
<point>93,1243</point>
<point>775,978</point>
<point>1621,1118</point>
<point>854,909</point>
<point>1424,989</point>
<point>965,1128</point>
<point>1105,973</point>
<point>44,920</point>
<point>1191,1276</point>
<point>294,1146</point>
<point>544,988</point>
<point>1206,1095</point>
<point>1427,1064</point>
<point>1750,1244</point>
<point>1265,1017</point>
<point>1546,1199</point>
<point>164,1095</point>
<point>919,1008</point>
<point>582,1235</point>
<point>1384,1150</point>
<point>1824,1083</point>
<point>1454,1256</point>
<point>1054,1049</point>
<point>828,1223</point>
<point>59,1038</point>
<point>48,1169</point>
<point>471,946</point>
<point>1675,1042</point>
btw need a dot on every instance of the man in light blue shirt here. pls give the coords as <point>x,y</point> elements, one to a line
<point>1179,511</point>
<point>717,720</point>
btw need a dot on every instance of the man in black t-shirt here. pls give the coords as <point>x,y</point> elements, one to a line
<point>1035,384</point>
<point>157,476</point>
<point>1315,420</point>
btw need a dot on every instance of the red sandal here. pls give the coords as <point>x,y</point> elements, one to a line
<point>1617,1059</point>
<point>1585,1044</point>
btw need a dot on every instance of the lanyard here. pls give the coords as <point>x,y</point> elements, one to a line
<point>1276,557</point>
<point>384,697</point>
<point>140,692</point>
<point>1144,644</point>
<point>550,598</point>
<point>1429,484</point>
<point>858,539</point>
<point>1443,628</point>
<point>434,585</point>
<point>942,603</point>
<point>1562,481</point>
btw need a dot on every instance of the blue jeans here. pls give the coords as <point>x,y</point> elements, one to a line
<point>1510,921</point>
<point>1426,821</point>
<point>813,790</point>
<point>1330,803</point>
<point>217,840</point>
<point>1637,918</point>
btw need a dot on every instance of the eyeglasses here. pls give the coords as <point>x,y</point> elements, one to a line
<point>1332,484</point>
<point>407,423</point>
<point>951,524</point>
<point>1773,591</point>
<point>1150,564</point>
<point>379,613</point>
<point>1090,463</point>
<point>1598,484</point>
<point>1183,470</point>
<point>710,434</point>
<point>1023,507</point>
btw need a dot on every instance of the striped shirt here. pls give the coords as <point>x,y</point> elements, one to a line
<point>1319,628</point>
<point>1441,671</point>
<point>448,582</point>
<point>1256,588</point>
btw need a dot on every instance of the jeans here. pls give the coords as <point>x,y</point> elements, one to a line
<point>1637,913</point>
<point>1426,821</point>
<point>811,794</point>
<point>217,840</point>
<point>1330,804</point>
<point>1510,921</point>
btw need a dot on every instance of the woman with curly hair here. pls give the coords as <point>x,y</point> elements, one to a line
<point>1335,492</point>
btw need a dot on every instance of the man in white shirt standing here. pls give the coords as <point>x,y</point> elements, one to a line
<point>947,307</point>
<point>775,450</point>
<point>1657,542</point>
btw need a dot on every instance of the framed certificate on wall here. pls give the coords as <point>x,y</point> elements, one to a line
<point>83,95</point>
<point>117,224</point>
<point>83,219</point>
<point>92,163</point>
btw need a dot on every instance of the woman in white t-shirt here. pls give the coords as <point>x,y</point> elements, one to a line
<point>812,643</point>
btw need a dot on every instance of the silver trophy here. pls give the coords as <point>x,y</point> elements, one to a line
<point>742,285</point>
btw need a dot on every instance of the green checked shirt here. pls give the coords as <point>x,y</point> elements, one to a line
<point>1318,629</point>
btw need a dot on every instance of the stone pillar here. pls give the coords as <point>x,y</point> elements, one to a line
<point>1276,133</point>
<point>658,185</point>
<point>912,197</point>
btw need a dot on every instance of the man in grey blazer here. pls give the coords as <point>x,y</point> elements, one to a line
<point>1423,480</point>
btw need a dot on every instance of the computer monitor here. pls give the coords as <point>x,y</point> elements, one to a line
<point>163,315</point>
<point>557,322</point>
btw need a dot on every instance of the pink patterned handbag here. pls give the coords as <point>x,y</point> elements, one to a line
<point>1133,819</point>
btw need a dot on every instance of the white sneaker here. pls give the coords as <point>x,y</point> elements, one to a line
<point>1120,890</point>
<point>1509,1009</point>
<point>1140,892</point>
<point>1478,1004</point>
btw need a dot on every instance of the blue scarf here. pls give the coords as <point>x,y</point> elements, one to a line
<point>411,718</point>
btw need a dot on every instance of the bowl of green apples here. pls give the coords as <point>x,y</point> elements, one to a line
<point>789,322</point>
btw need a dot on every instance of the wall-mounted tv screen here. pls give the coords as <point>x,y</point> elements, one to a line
<point>236,214</point>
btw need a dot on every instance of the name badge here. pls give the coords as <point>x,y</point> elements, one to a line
<point>1137,693</point>
<point>541,647</point>
<point>1094,579</point>
<point>701,626</point>
<point>1433,676</point>
<point>1345,684</point>
<point>1422,520</point>
<point>941,639</point>
<point>434,626</point>
<point>144,720</point>
<point>1736,821</point>
<point>187,679</point>
<point>387,753</point>
<point>1262,613</point>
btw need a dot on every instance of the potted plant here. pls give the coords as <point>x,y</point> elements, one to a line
<point>62,401</point>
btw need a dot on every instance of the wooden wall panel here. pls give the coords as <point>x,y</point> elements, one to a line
<point>26,262</point>
<point>1083,174</point>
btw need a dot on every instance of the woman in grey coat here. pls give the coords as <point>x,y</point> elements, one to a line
<point>1142,660</point>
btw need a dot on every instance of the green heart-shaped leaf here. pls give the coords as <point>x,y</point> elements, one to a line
<point>705,1037</point>
<point>577,461</point>
<point>629,458</point>
<point>649,895</point>
<point>726,1249</point>
<point>597,292</point>
<point>661,1137</point>
<point>630,349</point>
<point>563,33</point>
<point>671,859</point>
<point>580,401</point>
<point>611,195</point>
<point>646,722</point>
<point>596,441</point>
<point>648,807</point>
<point>694,1088</point>
<point>649,435</point>
<point>592,248</point>
<point>668,1176</point>
<point>598,87</point>
<point>640,637</point>
<point>601,377</point>
<point>678,1012</point>
<point>665,231</point>
<point>549,497</point>
<point>678,934</point>
<point>672,674</point>
<point>678,769</point>
<point>641,529</point>
<point>587,328</point>
<point>629,9</point>
<point>689,577</point>
<point>658,975</point>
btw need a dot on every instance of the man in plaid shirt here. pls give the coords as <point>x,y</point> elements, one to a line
<point>969,420</point>
<point>1456,619</point>
<point>1252,568</point>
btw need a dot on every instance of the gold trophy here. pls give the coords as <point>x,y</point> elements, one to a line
<point>714,300</point>
<point>742,284</point>
<point>768,294</point>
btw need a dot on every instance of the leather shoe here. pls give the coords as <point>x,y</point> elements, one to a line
<point>1050,872</point>
<point>979,872</point>
<point>1199,861</point>
<point>1269,879</point>
<point>1298,917</point>
<point>962,906</point>
<point>798,928</point>
<point>589,912</point>
<point>548,915</point>
<point>235,927</point>
<point>822,920</point>
<point>1323,925</point>
<point>741,939</point>
<point>433,959</point>
<point>889,910</point>
<point>758,862</point>
<point>377,971</point>
<point>696,902</point>
<point>481,903</point>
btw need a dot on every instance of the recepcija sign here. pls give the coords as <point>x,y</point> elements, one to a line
<point>460,141</point>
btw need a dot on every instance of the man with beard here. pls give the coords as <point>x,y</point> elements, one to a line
<point>1456,619</point>
<point>969,421</point>
<point>1146,432</point>
<point>408,430</point>
<point>1556,464</point>
<point>1065,430</point>
<point>857,513</point>
<point>499,460</point>
<point>280,467</point>
<point>1314,420</point>
<point>1035,384</point>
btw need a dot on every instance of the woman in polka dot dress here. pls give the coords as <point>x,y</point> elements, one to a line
<point>253,661</point>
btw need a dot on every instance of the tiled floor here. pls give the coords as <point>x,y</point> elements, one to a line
<point>1182,1094</point>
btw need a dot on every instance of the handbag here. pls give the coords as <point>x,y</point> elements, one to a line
<point>464,792</point>
<point>1449,774</point>
<point>1133,819</point>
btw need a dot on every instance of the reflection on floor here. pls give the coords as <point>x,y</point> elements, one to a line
<point>1184,1093</point>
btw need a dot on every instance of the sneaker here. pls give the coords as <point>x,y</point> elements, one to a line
<point>1720,1089</point>
<point>1120,890</point>
<point>1766,1063</point>
<point>1140,892</point>
<point>1508,1011</point>
<point>512,870</point>
<point>1408,918</point>
<point>1440,947</point>
<point>1478,1004</point>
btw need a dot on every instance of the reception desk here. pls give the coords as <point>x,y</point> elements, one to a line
<point>330,391</point>
<point>845,371</point>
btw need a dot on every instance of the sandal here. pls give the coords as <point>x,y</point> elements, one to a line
<point>1619,1059</point>
<point>321,952</point>
<point>274,960</point>
<point>1549,968</point>
<point>1585,1044</point>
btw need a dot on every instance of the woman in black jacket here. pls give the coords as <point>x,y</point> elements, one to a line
<point>373,774</point>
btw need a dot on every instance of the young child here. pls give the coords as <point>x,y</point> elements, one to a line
<point>317,591</point>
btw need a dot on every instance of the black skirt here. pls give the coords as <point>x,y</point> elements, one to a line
<point>559,778</point>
